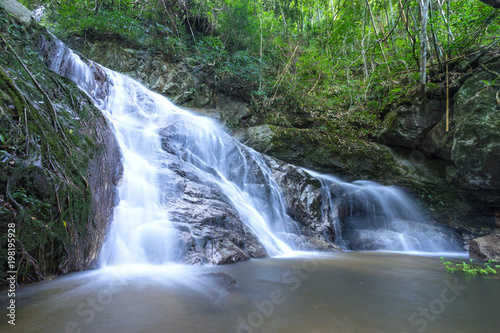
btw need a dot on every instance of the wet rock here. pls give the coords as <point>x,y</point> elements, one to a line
<point>222,279</point>
<point>210,231</point>
<point>485,248</point>
<point>302,192</point>
<point>306,203</point>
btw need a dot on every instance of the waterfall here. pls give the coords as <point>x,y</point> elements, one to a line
<point>155,136</point>
<point>164,147</point>
<point>368,216</point>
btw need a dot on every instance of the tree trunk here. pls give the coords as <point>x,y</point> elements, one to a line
<point>424,7</point>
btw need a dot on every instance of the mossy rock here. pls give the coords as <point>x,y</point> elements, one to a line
<point>59,162</point>
<point>476,142</point>
<point>407,125</point>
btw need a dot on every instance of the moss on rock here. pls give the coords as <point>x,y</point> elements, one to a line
<point>58,166</point>
<point>476,143</point>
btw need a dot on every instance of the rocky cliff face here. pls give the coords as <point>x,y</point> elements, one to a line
<point>470,150</point>
<point>210,228</point>
<point>455,173</point>
<point>59,161</point>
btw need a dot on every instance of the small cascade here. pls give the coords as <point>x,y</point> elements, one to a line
<point>330,212</point>
<point>368,216</point>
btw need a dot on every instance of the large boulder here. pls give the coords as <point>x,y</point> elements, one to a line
<point>476,141</point>
<point>307,202</point>
<point>407,125</point>
<point>23,14</point>
<point>258,137</point>
<point>210,231</point>
<point>485,248</point>
<point>302,192</point>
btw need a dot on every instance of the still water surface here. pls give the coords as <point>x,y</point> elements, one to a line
<point>344,292</point>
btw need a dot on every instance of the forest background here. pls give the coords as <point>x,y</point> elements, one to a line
<point>344,62</point>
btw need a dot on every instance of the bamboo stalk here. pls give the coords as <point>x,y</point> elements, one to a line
<point>376,34</point>
<point>447,97</point>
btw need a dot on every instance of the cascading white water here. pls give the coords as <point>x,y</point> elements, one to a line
<point>141,231</point>
<point>369,216</point>
<point>154,136</point>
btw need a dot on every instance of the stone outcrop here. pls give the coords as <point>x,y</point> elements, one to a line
<point>17,10</point>
<point>476,136</point>
<point>210,230</point>
<point>470,151</point>
<point>307,203</point>
<point>485,248</point>
<point>407,125</point>
<point>59,161</point>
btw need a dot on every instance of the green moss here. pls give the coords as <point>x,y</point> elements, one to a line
<point>8,87</point>
<point>48,197</point>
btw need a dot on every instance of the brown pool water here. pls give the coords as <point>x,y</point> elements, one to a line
<point>344,292</point>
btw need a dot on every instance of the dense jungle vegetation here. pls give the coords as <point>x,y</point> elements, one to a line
<point>343,61</point>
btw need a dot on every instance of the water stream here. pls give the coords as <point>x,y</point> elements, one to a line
<point>368,216</point>
<point>156,137</point>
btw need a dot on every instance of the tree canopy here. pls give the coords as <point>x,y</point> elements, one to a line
<point>330,55</point>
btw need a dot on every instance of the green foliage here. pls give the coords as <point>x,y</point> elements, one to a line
<point>74,16</point>
<point>345,60</point>
<point>234,68</point>
<point>470,268</point>
<point>239,24</point>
